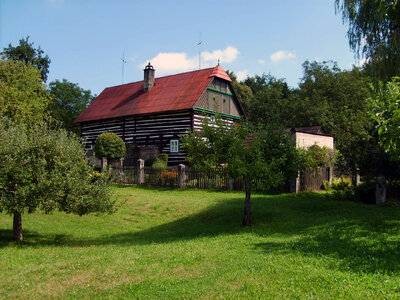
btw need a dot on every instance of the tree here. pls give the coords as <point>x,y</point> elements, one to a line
<point>68,102</point>
<point>27,53</point>
<point>242,92</point>
<point>109,145</point>
<point>385,111</point>
<point>23,96</point>
<point>337,100</point>
<point>374,31</point>
<point>239,151</point>
<point>44,168</point>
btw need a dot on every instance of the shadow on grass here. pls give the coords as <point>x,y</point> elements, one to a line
<point>360,238</point>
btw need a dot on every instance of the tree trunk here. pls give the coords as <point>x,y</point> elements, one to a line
<point>247,204</point>
<point>17,227</point>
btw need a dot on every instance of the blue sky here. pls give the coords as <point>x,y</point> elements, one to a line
<point>85,39</point>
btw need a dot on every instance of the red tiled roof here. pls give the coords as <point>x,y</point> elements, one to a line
<point>175,92</point>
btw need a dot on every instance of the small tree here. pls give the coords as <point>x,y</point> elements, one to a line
<point>109,145</point>
<point>266,154</point>
<point>44,168</point>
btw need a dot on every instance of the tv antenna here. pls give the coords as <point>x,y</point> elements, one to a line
<point>123,64</point>
<point>199,44</point>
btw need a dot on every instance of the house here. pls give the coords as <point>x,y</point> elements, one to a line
<point>306,137</point>
<point>151,115</point>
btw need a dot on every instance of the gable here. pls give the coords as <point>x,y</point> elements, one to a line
<point>219,97</point>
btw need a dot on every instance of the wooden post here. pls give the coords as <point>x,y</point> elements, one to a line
<point>380,190</point>
<point>140,171</point>
<point>181,175</point>
<point>295,184</point>
<point>104,164</point>
<point>231,183</point>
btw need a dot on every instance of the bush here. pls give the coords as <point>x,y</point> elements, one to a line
<point>342,189</point>
<point>149,162</point>
<point>161,162</point>
<point>109,145</point>
<point>365,192</point>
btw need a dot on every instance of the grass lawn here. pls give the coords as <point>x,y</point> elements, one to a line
<point>190,244</point>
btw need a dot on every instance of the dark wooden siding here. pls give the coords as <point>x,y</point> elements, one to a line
<point>143,131</point>
<point>199,116</point>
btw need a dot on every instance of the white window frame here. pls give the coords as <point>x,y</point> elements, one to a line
<point>174,146</point>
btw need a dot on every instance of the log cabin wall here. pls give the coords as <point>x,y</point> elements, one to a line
<point>143,132</point>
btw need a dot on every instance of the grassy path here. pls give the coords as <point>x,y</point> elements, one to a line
<point>189,244</point>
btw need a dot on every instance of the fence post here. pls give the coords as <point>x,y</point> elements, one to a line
<point>295,184</point>
<point>181,175</point>
<point>231,183</point>
<point>104,164</point>
<point>140,171</point>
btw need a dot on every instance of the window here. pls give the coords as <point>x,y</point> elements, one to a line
<point>174,146</point>
<point>212,119</point>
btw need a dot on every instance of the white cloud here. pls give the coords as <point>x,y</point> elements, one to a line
<point>242,75</point>
<point>225,56</point>
<point>282,55</point>
<point>169,63</point>
<point>261,61</point>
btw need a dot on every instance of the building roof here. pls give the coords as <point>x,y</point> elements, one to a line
<point>169,93</point>
<point>311,130</point>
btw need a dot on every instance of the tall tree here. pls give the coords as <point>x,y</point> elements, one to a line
<point>374,31</point>
<point>27,53</point>
<point>68,101</point>
<point>23,95</point>
<point>266,154</point>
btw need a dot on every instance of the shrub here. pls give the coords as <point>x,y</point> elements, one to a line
<point>342,189</point>
<point>161,162</point>
<point>149,162</point>
<point>365,192</point>
<point>109,145</point>
<point>326,185</point>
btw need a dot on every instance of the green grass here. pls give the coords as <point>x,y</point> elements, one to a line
<point>190,244</point>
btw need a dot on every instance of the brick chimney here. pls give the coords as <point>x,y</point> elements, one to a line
<point>148,77</point>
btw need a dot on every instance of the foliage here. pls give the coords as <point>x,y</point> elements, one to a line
<point>243,92</point>
<point>161,162</point>
<point>374,31</point>
<point>149,162</point>
<point>25,52</point>
<point>23,96</point>
<point>307,245</point>
<point>321,156</point>
<point>44,168</point>
<point>68,102</point>
<point>239,151</point>
<point>342,189</point>
<point>385,111</point>
<point>109,145</point>
<point>365,192</point>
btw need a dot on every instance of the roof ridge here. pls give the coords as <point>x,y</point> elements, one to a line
<point>161,77</point>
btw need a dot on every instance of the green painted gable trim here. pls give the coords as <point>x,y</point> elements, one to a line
<point>219,92</point>
<point>216,113</point>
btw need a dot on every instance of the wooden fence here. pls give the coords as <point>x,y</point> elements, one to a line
<point>192,178</point>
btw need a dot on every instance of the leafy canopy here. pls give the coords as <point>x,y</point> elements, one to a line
<point>44,168</point>
<point>109,145</point>
<point>23,96</point>
<point>374,31</point>
<point>25,52</point>
<point>385,111</point>
<point>68,101</point>
<point>266,153</point>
